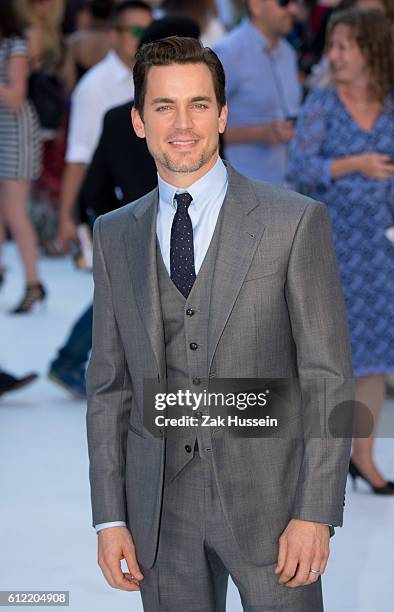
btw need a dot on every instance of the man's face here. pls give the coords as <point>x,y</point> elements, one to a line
<point>128,32</point>
<point>181,120</point>
<point>278,20</point>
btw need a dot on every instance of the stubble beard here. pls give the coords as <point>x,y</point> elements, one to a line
<point>186,167</point>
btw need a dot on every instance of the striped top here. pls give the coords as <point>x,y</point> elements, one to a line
<point>9,47</point>
<point>20,146</point>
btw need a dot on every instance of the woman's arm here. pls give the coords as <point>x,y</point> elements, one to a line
<point>69,70</point>
<point>13,94</point>
<point>306,164</point>
<point>345,165</point>
<point>372,165</point>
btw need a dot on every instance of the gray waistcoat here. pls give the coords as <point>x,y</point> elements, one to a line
<point>186,323</point>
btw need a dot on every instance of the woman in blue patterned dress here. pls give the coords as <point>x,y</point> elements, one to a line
<point>343,155</point>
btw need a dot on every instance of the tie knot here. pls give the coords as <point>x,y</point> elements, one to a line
<point>183,201</point>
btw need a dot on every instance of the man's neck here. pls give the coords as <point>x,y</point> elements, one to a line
<point>129,63</point>
<point>272,37</point>
<point>183,180</point>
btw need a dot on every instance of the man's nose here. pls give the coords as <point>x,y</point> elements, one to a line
<point>183,119</point>
<point>332,54</point>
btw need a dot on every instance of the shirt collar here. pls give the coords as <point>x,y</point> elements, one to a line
<point>256,37</point>
<point>119,70</point>
<point>206,188</point>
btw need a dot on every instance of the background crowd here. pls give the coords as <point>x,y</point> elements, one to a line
<point>310,91</point>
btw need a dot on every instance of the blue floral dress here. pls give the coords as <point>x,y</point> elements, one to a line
<point>361,209</point>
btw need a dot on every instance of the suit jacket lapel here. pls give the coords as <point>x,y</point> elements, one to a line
<point>140,245</point>
<point>240,233</point>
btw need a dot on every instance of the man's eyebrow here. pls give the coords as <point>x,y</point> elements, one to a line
<point>163,101</point>
<point>171,101</point>
<point>201,99</point>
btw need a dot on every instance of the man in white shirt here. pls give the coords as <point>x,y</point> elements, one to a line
<point>104,86</point>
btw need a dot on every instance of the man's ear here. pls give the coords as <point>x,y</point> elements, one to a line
<point>137,122</point>
<point>223,119</point>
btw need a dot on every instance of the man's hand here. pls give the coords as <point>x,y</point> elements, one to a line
<point>67,232</point>
<point>115,544</point>
<point>304,545</point>
<point>279,132</point>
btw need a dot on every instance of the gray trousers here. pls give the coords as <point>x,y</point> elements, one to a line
<point>197,552</point>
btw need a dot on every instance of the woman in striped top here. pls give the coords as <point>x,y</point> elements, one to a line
<point>20,150</point>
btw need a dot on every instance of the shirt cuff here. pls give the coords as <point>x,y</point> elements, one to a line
<point>78,153</point>
<point>111,524</point>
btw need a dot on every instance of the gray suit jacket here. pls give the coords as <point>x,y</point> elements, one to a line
<point>276,310</point>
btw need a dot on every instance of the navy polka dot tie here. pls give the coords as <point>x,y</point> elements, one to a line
<point>183,273</point>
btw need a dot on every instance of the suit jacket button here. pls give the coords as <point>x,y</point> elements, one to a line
<point>188,448</point>
<point>196,381</point>
<point>193,346</point>
<point>190,312</point>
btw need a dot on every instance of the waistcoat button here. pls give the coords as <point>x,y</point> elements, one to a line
<point>193,346</point>
<point>188,448</point>
<point>190,312</point>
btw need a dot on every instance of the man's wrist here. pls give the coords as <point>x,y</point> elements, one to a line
<point>329,525</point>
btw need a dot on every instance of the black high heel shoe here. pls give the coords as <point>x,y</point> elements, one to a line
<point>354,472</point>
<point>34,294</point>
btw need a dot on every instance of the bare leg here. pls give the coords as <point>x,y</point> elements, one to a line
<point>13,204</point>
<point>371,391</point>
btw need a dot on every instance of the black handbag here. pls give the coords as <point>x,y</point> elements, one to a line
<point>45,92</point>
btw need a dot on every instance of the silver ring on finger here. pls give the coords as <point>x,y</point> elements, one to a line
<point>315,571</point>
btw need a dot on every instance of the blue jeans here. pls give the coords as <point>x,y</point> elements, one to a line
<point>74,354</point>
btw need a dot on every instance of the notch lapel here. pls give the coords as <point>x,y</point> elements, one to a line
<point>140,243</point>
<point>240,234</point>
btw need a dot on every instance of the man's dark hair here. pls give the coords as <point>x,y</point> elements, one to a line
<point>9,20</point>
<point>176,50</point>
<point>172,25</point>
<point>129,5</point>
<point>102,9</point>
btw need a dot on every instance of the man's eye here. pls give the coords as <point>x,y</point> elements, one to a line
<point>163,108</point>
<point>200,106</point>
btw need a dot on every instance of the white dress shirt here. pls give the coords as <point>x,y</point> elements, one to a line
<point>108,84</point>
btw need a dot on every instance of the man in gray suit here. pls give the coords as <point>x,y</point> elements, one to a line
<point>212,276</point>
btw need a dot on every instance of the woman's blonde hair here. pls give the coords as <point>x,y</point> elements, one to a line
<point>50,27</point>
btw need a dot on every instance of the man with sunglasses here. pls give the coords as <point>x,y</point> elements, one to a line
<point>104,86</point>
<point>263,90</point>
